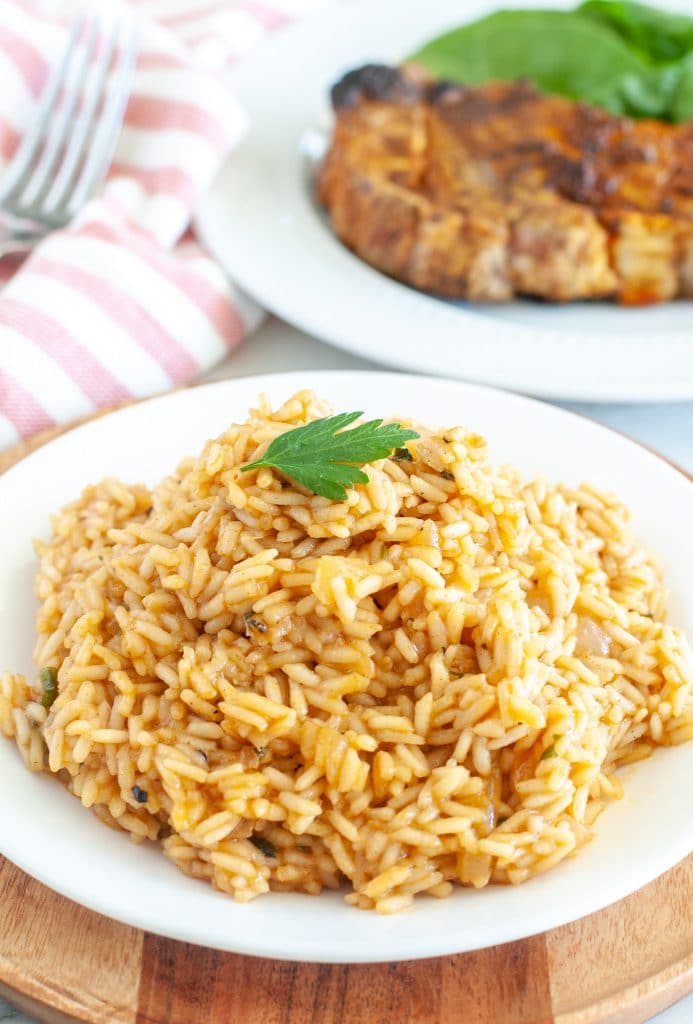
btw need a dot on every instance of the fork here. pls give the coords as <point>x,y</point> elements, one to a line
<point>68,148</point>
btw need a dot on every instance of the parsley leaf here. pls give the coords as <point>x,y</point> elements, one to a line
<point>324,457</point>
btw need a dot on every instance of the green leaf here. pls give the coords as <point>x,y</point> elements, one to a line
<point>561,51</point>
<point>647,94</point>
<point>627,57</point>
<point>682,101</point>
<point>402,455</point>
<point>324,456</point>
<point>263,845</point>
<point>48,677</point>
<point>660,35</point>
<point>651,94</point>
<point>550,751</point>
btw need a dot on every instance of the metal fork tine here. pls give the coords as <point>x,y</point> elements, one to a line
<point>20,165</point>
<point>59,127</point>
<point>59,192</point>
<point>105,137</point>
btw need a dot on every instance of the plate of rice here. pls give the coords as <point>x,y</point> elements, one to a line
<point>388,685</point>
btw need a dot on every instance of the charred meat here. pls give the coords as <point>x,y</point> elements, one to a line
<point>493,191</point>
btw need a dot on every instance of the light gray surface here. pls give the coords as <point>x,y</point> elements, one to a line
<point>7,1013</point>
<point>277,347</point>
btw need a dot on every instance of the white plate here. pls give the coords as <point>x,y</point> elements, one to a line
<point>261,223</point>
<point>47,832</point>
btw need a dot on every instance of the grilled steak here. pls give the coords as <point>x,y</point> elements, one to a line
<point>492,191</point>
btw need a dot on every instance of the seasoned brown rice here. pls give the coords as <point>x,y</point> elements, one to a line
<point>431,682</point>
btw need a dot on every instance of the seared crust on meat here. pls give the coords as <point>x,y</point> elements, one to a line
<point>492,191</point>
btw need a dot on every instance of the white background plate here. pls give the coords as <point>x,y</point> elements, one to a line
<point>260,221</point>
<point>46,831</point>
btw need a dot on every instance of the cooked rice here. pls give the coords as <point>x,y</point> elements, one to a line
<point>432,682</point>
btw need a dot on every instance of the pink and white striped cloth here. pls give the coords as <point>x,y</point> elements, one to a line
<point>124,303</point>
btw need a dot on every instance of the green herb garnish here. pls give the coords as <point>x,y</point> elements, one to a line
<point>324,457</point>
<point>549,752</point>
<point>49,685</point>
<point>402,455</point>
<point>659,34</point>
<point>447,475</point>
<point>628,57</point>
<point>264,846</point>
<point>560,51</point>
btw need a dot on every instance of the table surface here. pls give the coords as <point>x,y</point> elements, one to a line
<point>276,347</point>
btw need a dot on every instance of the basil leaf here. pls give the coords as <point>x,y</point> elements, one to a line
<point>561,51</point>
<point>662,92</point>
<point>682,102</point>
<point>627,57</point>
<point>660,35</point>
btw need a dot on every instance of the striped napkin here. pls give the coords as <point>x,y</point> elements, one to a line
<point>124,303</point>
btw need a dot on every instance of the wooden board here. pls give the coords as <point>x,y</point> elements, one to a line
<point>62,964</point>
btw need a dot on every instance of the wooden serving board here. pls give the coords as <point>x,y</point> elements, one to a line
<point>62,963</point>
